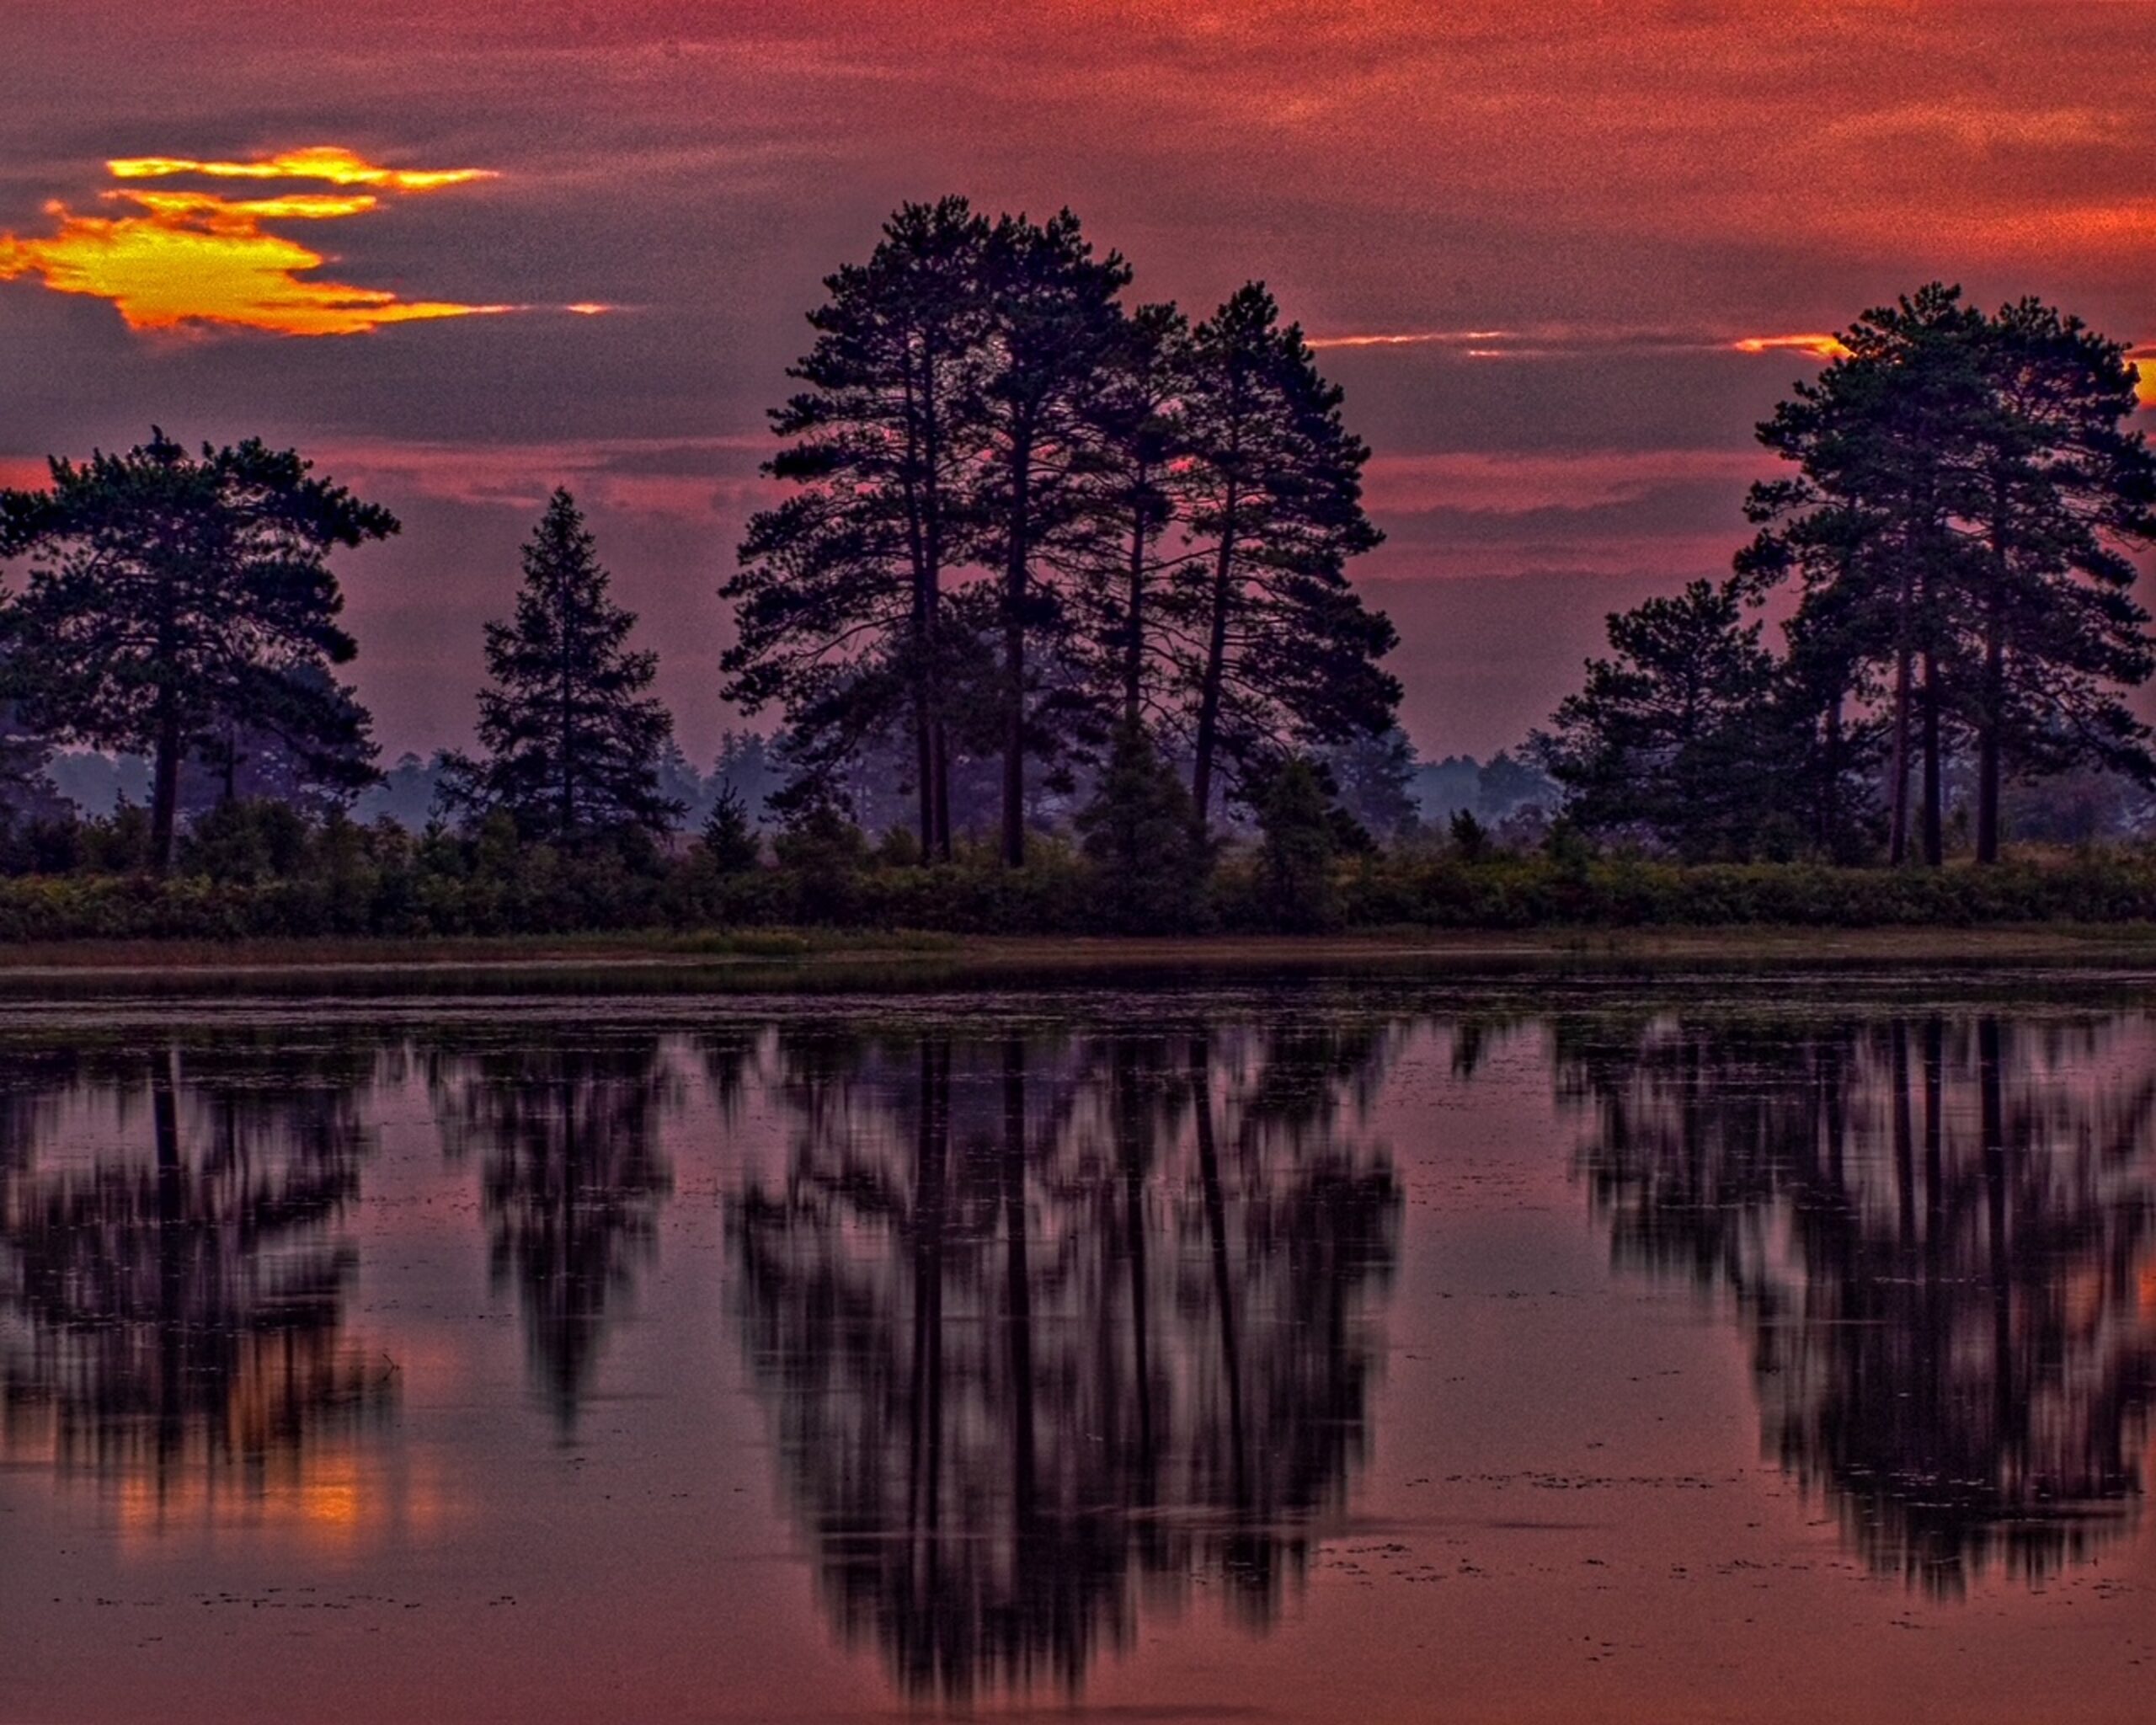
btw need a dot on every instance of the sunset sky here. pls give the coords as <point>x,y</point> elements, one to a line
<point>1562,257</point>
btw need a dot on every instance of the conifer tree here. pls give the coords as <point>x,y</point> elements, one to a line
<point>840,599</point>
<point>1122,558</point>
<point>1961,527</point>
<point>1283,651</point>
<point>571,736</point>
<point>1056,328</point>
<point>172,597</point>
<point>1672,737</point>
<point>729,836</point>
<point>1137,830</point>
<point>2069,493</point>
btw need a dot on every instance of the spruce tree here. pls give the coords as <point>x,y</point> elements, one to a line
<point>729,836</point>
<point>572,737</point>
<point>174,598</point>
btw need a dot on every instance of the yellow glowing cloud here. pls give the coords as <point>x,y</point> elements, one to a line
<point>1819,347</point>
<point>1413,338</point>
<point>182,258</point>
<point>323,162</point>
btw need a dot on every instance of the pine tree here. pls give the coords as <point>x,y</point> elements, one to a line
<point>572,739</point>
<point>1673,738</point>
<point>1969,496</point>
<point>1056,331</point>
<point>1284,652</point>
<point>840,598</point>
<point>2069,492</point>
<point>172,598</point>
<point>1302,832</point>
<point>1138,435</point>
<point>1884,439</point>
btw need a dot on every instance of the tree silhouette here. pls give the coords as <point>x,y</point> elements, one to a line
<point>1057,332</point>
<point>571,736</point>
<point>1951,1345</point>
<point>571,1180</point>
<point>1968,497</point>
<point>1282,649</point>
<point>179,1317</point>
<point>172,597</point>
<point>1039,1320</point>
<point>1675,736</point>
<point>839,599</point>
<point>2072,492</point>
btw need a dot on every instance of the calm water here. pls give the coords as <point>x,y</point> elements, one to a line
<point>1356,1351</point>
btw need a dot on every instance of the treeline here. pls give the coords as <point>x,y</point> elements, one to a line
<point>1956,541</point>
<point>1055,617</point>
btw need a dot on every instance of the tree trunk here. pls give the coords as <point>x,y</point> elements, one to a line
<point>171,1253</point>
<point>1987,748</point>
<point>1216,670</point>
<point>925,531</point>
<point>1991,716</point>
<point>1830,798</point>
<point>1134,646</point>
<point>1934,849</point>
<point>164,786</point>
<point>1136,1136</point>
<point>941,755</point>
<point>1014,656</point>
<point>924,1428</point>
<point>1899,839</point>
<point>569,733</point>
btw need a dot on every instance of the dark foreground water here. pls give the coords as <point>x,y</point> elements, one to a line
<point>1350,1351</point>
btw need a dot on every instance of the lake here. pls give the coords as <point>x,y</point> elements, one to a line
<point>1369,1346</point>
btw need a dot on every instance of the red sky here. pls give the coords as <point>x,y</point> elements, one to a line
<point>1578,209</point>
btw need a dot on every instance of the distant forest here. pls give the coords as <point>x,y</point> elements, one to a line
<point>1059,590</point>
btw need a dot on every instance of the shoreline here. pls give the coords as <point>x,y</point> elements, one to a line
<point>806,952</point>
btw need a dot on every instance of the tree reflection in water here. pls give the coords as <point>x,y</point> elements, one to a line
<point>172,1307</point>
<point>1938,1234</point>
<point>1049,1325</point>
<point>571,1181</point>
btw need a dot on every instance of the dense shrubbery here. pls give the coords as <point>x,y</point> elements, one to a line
<point>257,870</point>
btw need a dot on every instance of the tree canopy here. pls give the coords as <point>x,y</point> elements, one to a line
<point>172,599</point>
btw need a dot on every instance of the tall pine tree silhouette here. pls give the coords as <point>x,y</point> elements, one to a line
<point>1286,653</point>
<point>839,602</point>
<point>572,737</point>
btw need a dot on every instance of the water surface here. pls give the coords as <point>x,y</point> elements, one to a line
<point>1361,1349</point>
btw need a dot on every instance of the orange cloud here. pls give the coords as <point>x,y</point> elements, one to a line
<point>185,258</point>
<point>1413,338</point>
<point>1819,347</point>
